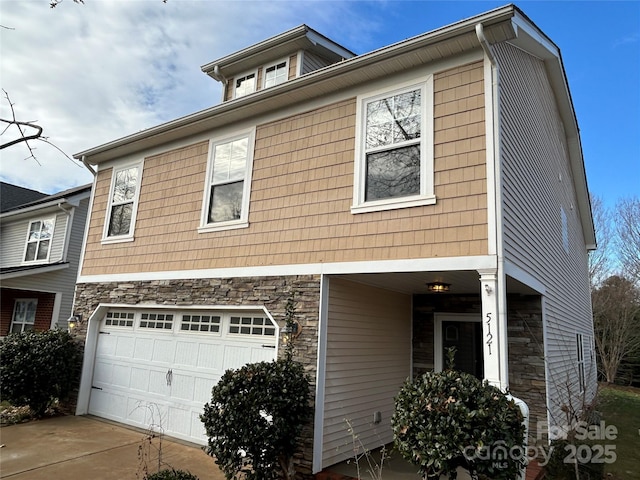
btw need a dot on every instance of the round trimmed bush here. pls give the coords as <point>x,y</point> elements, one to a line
<point>37,368</point>
<point>451,419</point>
<point>255,418</point>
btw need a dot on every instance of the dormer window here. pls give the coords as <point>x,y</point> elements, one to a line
<point>276,74</point>
<point>245,85</point>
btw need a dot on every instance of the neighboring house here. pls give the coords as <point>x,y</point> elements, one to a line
<point>425,195</point>
<point>41,241</point>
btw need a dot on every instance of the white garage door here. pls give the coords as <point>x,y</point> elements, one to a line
<point>156,368</point>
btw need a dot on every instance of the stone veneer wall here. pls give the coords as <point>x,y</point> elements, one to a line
<point>272,292</point>
<point>527,377</point>
<point>526,345</point>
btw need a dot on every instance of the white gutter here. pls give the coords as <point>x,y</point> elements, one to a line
<point>67,236</point>
<point>89,167</point>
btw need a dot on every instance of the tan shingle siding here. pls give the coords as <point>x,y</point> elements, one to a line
<point>302,190</point>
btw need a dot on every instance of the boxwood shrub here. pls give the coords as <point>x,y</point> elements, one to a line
<point>37,368</point>
<point>451,419</point>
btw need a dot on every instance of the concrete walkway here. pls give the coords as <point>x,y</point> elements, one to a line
<point>87,448</point>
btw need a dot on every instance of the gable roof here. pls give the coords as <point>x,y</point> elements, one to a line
<point>45,200</point>
<point>12,196</point>
<point>302,37</point>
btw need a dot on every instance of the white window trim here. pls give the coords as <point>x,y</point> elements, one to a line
<point>427,193</point>
<point>580,362</point>
<point>243,221</point>
<point>255,82</point>
<point>271,64</point>
<point>35,261</point>
<point>13,315</point>
<point>106,239</point>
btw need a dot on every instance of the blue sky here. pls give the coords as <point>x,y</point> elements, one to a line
<point>93,73</point>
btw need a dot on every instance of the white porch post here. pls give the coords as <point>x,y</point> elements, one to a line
<point>493,338</point>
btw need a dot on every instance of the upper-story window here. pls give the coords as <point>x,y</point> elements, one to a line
<point>394,149</point>
<point>39,239</point>
<point>245,84</point>
<point>122,205</point>
<point>276,74</point>
<point>228,183</point>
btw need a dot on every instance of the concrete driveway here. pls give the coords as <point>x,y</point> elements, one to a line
<point>85,447</point>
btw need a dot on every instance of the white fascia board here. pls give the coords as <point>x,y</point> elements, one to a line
<point>380,266</point>
<point>34,271</point>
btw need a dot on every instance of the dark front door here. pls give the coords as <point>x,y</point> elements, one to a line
<point>466,338</point>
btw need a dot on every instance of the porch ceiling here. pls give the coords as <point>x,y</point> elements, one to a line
<point>462,282</point>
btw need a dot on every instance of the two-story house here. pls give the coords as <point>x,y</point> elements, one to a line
<point>426,195</point>
<point>40,249</point>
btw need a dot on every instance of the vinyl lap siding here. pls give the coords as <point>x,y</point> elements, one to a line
<point>14,239</point>
<point>537,184</point>
<point>368,358</point>
<point>311,62</point>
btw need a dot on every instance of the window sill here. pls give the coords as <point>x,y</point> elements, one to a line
<point>223,226</point>
<point>393,204</point>
<point>123,239</point>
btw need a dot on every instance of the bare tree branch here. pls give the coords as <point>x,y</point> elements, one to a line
<point>23,137</point>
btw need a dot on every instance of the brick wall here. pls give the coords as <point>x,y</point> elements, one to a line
<point>272,292</point>
<point>44,311</point>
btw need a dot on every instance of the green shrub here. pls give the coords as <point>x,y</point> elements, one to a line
<point>171,474</point>
<point>37,368</point>
<point>451,419</point>
<point>255,417</point>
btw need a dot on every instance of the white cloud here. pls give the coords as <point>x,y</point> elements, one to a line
<point>92,73</point>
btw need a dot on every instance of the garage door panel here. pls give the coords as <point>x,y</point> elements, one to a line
<point>187,353</point>
<point>121,376</point>
<point>164,351</point>
<point>143,349</point>
<point>125,347</point>
<point>140,379</point>
<point>182,386</point>
<point>162,377</point>
<point>211,357</point>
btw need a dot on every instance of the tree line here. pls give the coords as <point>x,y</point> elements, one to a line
<point>614,270</point>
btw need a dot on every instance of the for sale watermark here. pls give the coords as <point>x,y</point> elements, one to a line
<point>589,444</point>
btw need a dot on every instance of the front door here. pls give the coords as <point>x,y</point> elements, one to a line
<point>465,337</point>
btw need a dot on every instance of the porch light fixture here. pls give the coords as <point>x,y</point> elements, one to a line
<point>73,321</point>
<point>291,331</point>
<point>438,287</point>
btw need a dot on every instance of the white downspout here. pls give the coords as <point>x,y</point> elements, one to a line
<point>498,237</point>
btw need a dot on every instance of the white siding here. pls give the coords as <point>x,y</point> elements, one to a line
<point>368,359</point>
<point>537,187</point>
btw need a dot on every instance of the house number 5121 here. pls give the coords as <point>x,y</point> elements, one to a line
<point>489,335</point>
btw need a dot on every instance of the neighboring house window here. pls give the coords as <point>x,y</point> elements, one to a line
<point>394,149</point>
<point>228,183</point>
<point>24,315</point>
<point>276,74</point>
<point>580,362</point>
<point>39,240</point>
<point>125,189</point>
<point>245,85</point>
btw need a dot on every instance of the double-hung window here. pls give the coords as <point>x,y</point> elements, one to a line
<point>228,182</point>
<point>580,361</point>
<point>276,74</point>
<point>245,84</point>
<point>39,239</point>
<point>123,201</point>
<point>24,315</point>
<point>394,149</point>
